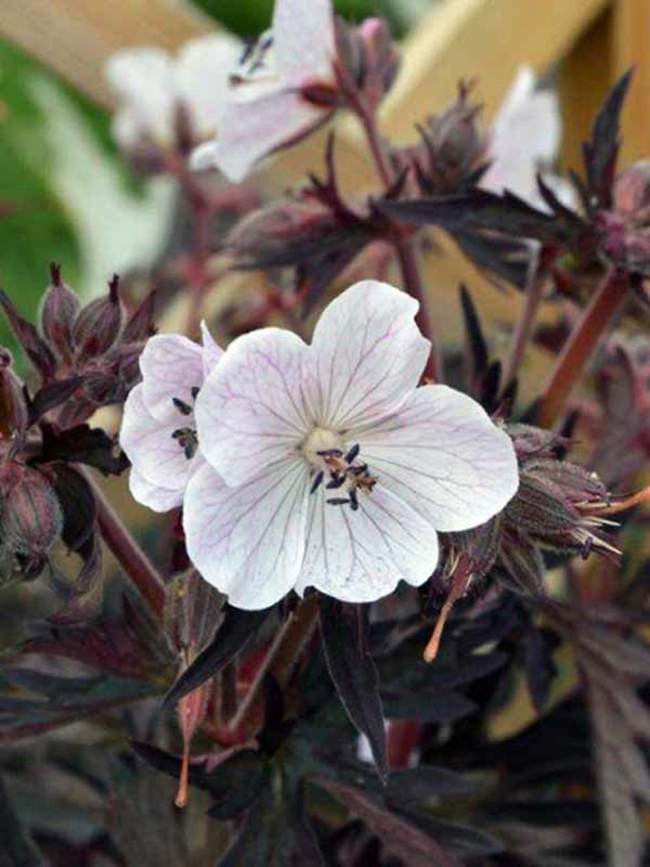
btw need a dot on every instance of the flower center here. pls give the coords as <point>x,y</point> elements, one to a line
<point>185,436</point>
<point>324,452</point>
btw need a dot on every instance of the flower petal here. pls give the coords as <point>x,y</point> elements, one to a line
<point>149,444</point>
<point>248,541</point>
<point>361,556</point>
<point>443,455</point>
<point>303,40</point>
<point>203,68</point>
<point>368,354</point>
<point>251,130</point>
<point>171,367</point>
<point>212,352</point>
<point>152,496</point>
<point>142,79</point>
<point>525,136</point>
<point>251,411</point>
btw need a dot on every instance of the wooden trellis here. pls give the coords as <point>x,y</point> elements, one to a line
<point>586,43</point>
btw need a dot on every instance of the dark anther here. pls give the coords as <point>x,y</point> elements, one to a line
<point>330,453</point>
<point>186,438</point>
<point>335,482</point>
<point>359,471</point>
<point>317,481</point>
<point>587,548</point>
<point>195,392</point>
<point>338,501</point>
<point>181,406</point>
<point>354,502</point>
<point>352,454</point>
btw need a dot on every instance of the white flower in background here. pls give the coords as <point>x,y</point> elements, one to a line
<point>158,430</point>
<point>151,85</point>
<point>267,107</point>
<point>327,466</point>
<point>526,136</point>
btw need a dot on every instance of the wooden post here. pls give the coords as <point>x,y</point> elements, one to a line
<point>632,48</point>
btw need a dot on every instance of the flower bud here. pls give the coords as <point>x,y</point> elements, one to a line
<point>453,147</point>
<point>632,191</point>
<point>58,314</point>
<point>368,60</point>
<point>13,407</point>
<point>99,323</point>
<point>31,518</point>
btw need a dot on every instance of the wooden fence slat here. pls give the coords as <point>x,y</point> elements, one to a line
<point>76,37</point>
<point>632,48</point>
<point>487,39</point>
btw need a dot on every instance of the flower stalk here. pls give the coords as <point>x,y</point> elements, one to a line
<point>127,552</point>
<point>570,365</point>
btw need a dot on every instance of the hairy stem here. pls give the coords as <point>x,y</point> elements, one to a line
<point>525,323</point>
<point>405,250</point>
<point>578,349</point>
<point>127,552</point>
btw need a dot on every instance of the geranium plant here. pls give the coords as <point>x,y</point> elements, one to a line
<point>370,547</point>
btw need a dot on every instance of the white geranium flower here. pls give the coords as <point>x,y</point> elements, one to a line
<point>328,467</point>
<point>267,106</point>
<point>158,430</point>
<point>150,86</point>
<point>526,136</point>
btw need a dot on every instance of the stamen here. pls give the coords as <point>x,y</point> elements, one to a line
<point>336,482</point>
<point>354,501</point>
<point>187,440</point>
<point>317,482</point>
<point>181,406</point>
<point>338,501</point>
<point>195,392</point>
<point>353,454</point>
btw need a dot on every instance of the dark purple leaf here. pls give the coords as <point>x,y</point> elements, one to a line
<point>601,151</point>
<point>36,349</point>
<point>82,445</point>
<point>17,849</point>
<point>140,325</point>
<point>400,836</point>
<point>426,782</point>
<point>429,706</point>
<point>355,677</point>
<point>539,665</point>
<point>237,628</point>
<point>77,504</point>
<point>52,395</point>
<point>475,341</point>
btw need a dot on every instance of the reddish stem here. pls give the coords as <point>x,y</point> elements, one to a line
<point>403,738</point>
<point>404,247</point>
<point>570,365</point>
<point>127,552</point>
<point>525,323</point>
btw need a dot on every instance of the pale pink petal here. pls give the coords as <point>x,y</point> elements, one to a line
<point>525,137</point>
<point>361,556</point>
<point>204,157</point>
<point>443,455</point>
<point>303,40</point>
<point>203,68</point>
<point>142,79</point>
<point>251,411</point>
<point>149,444</point>
<point>153,496</point>
<point>251,130</point>
<point>248,541</point>
<point>212,352</point>
<point>171,367</point>
<point>368,354</point>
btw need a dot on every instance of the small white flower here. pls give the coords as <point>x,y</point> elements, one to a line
<point>267,107</point>
<point>151,85</point>
<point>526,136</point>
<point>158,430</point>
<point>327,466</point>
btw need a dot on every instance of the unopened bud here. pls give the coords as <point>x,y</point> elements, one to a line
<point>13,406</point>
<point>31,518</point>
<point>632,191</point>
<point>58,314</point>
<point>99,324</point>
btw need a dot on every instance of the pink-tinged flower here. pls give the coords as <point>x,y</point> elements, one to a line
<point>328,467</point>
<point>151,86</point>
<point>526,137</point>
<point>158,430</point>
<point>285,86</point>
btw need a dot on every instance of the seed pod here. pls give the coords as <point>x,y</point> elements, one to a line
<point>99,324</point>
<point>59,312</point>
<point>13,407</point>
